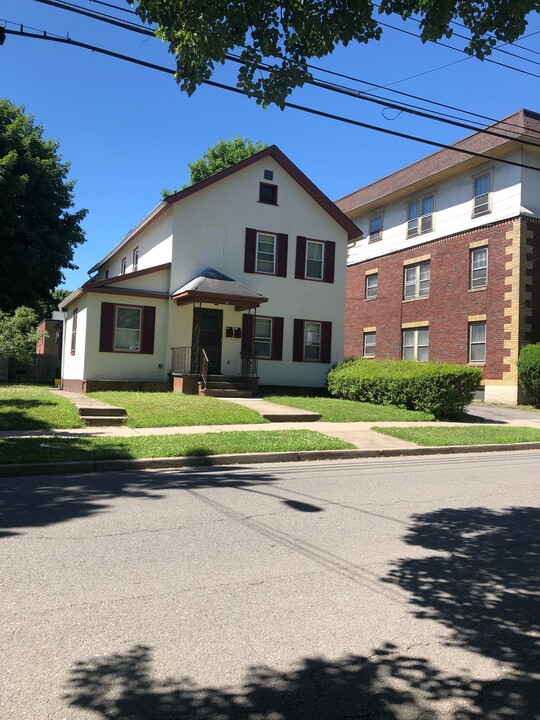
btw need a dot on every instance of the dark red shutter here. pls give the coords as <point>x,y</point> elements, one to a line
<point>329,261</point>
<point>106,329</point>
<point>326,341</point>
<point>298,341</point>
<point>282,249</point>
<point>300,267</point>
<point>148,330</point>
<point>246,350</point>
<point>277,338</point>
<point>250,250</point>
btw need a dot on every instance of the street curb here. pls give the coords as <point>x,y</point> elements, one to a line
<point>91,466</point>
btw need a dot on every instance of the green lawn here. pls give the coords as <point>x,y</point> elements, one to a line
<point>56,449</point>
<point>174,409</point>
<point>34,407</point>
<point>338,410</point>
<point>471,435</point>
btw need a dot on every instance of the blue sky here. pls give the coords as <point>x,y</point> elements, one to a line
<point>129,131</point>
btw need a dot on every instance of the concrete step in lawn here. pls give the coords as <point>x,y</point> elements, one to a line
<point>95,413</point>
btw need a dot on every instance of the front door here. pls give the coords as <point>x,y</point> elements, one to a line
<point>209,325</point>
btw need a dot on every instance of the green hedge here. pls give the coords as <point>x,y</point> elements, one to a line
<point>529,372</point>
<point>439,388</point>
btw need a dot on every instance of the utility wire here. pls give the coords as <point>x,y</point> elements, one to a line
<point>333,87</point>
<point>71,7</point>
<point>294,106</point>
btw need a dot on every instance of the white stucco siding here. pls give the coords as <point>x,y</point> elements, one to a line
<point>126,365</point>
<point>453,211</point>
<point>154,244</point>
<point>73,366</point>
<point>530,195</point>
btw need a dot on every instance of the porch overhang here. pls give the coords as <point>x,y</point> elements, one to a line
<point>215,288</point>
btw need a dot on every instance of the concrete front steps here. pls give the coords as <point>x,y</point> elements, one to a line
<point>226,386</point>
<point>101,415</point>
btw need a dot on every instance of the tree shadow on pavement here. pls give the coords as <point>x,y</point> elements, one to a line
<point>385,685</point>
<point>46,500</point>
<point>485,583</point>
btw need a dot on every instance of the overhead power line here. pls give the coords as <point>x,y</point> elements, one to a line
<point>294,106</point>
<point>332,87</point>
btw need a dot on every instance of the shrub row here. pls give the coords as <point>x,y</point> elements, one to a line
<point>439,388</point>
<point>529,372</point>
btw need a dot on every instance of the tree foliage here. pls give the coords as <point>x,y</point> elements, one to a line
<point>284,36</point>
<point>38,233</point>
<point>18,334</point>
<point>218,157</point>
<point>45,308</point>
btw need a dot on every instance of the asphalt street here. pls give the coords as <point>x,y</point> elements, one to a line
<point>389,589</point>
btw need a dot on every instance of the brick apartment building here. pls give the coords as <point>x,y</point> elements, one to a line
<point>448,267</point>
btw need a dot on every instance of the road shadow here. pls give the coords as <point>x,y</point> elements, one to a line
<point>40,501</point>
<point>385,685</point>
<point>484,582</point>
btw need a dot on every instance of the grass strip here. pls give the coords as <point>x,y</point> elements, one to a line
<point>471,435</point>
<point>167,409</point>
<point>339,410</point>
<point>58,449</point>
<point>34,407</point>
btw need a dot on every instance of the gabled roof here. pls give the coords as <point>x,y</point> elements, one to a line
<point>213,286</point>
<point>274,152</point>
<point>515,126</point>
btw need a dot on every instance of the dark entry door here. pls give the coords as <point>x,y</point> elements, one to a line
<point>209,325</point>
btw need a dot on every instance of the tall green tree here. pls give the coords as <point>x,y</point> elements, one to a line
<point>219,157</point>
<point>38,231</point>
<point>285,35</point>
<point>18,334</point>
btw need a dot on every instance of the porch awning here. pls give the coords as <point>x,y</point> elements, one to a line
<point>211,286</point>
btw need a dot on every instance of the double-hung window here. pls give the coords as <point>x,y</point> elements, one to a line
<point>127,329</point>
<point>416,280</point>
<point>370,344</point>
<point>482,194</point>
<point>123,266</point>
<point>74,330</point>
<point>314,260</point>
<point>135,259</point>
<point>266,253</point>
<point>375,228</point>
<point>263,337</point>
<point>372,286</point>
<point>420,216</point>
<point>479,268</point>
<point>312,341</point>
<point>415,344</point>
<point>477,342</point>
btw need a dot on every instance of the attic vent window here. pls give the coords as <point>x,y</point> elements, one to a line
<point>268,194</point>
<point>268,174</point>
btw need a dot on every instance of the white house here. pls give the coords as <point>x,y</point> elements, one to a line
<point>248,266</point>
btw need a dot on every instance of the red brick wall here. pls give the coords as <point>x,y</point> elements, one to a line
<point>447,308</point>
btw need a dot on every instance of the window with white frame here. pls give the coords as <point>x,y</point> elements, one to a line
<point>266,253</point>
<point>314,260</point>
<point>420,216</point>
<point>482,194</point>
<point>415,344</point>
<point>372,286</point>
<point>312,341</point>
<point>416,280</point>
<point>123,266</point>
<point>135,259</point>
<point>477,342</point>
<point>74,331</point>
<point>375,228</point>
<point>479,268</point>
<point>127,329</point>
<point>263,337</point>
<point>370,343</point>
